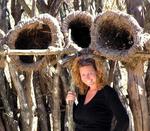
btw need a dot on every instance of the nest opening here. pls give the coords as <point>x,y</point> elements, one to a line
<point>112,36</point>
<point>80,33</point>
<point>36,38</point>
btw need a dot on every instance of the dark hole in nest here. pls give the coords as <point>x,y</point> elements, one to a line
<point>80,33</point>
<point>111,36</point>
<point>33,39</point>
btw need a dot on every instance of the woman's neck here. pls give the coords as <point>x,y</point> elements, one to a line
<point>95,87</point>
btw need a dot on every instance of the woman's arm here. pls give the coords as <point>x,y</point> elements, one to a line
<point>118,110</point>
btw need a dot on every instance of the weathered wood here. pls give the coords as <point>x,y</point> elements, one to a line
<point>31,100</point>
<point>76,4</point>
<point>9,115</point>
<point>137,9</point>
<point>41,109</point>
<point>56,101</point>
<point>50,51</point>
<point>111,71</point>
<point>118,84</point>
<point>138,97</point>
<point>147,85</point>
<point>69,111</point>
<point>56,51</point>
<point>53,85</point>
<point>54,7</point>
<point>25,7</point>
<point>24,109</point>
<point>16,10</point>
<point>3,16</point>
<point>1,125</point>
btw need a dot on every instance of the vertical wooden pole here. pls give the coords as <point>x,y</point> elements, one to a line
<point>41,110</point>
<point>30,95</point>
<point>138,96</point>
<point>56,100</point>
<point>25,115</point>
<point>69,110</point>
<point>12,124</point>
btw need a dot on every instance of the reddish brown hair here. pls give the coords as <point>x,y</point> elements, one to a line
<point>98,65</point>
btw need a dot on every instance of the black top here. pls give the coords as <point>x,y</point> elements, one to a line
<point>97,114</point>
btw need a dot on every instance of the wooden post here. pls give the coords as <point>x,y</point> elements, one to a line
<point>69,111</point>
<point>41,109</point>
<point>30,95</point>
<point>56,100</point>
<point>12,124</point>
<point>22,99</point>
<point>138,96</point>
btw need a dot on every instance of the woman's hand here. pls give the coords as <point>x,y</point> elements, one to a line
<point>71,97</point>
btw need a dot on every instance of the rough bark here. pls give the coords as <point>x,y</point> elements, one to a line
<point>99,5</point>
<point>56,101</point>
<point>147,29</point>
<point>119,85</point>
<point>86,5</point>
<point>76,4</point>
<point>30,95</point>
<point>54,7</point>
<point>3,17</point>
<point>147,16</point>
<point>1,125</point>
<point>41,110</point>
<point>25,7</point>
<point>42,6</point>
<point>16,10</point>
<point>136,8</point>
<point>24,110</point>
<point>147,85</point>
<point>69,111</point>
<point>138,97</point>
<point>111,71</point>
<point>9,115</point>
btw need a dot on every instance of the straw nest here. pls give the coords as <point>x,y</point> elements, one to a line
<point>76,29</point>
<point>36,33</point>
<point>115,35</point>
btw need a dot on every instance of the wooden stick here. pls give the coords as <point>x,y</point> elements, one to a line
<point>22,99</point>
<point>15,52</point>
<point>50,51</point>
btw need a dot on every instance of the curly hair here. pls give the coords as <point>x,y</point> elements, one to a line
<point>81,61</point>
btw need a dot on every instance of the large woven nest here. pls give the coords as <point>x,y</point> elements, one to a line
<point>115,35</point>
<point>36,33</point>
<point>76,29</point>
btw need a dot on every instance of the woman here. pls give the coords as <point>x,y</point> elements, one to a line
<point>97,102</point>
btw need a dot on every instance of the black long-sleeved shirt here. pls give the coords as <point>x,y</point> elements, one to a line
<point>97,114</point>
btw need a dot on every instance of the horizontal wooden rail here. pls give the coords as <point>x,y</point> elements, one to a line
<point>55,51</point>
<point>36,52</point>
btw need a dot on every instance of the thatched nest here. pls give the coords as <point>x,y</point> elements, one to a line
<point>36,33</point>
<point>76,29</point>
<point>115,35</point>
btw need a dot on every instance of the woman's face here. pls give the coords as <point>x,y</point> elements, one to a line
<point>88,75</point>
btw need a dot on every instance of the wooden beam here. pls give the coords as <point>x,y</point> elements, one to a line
<point>52,51</point>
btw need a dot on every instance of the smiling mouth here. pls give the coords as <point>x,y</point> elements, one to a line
<point>89,82</point>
